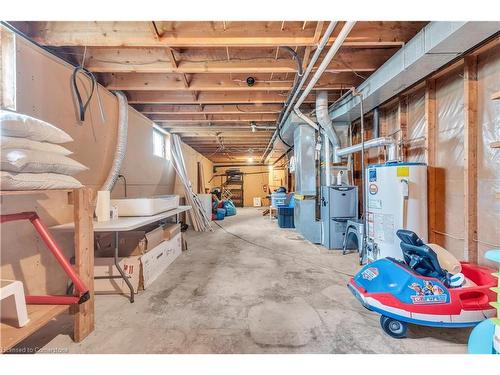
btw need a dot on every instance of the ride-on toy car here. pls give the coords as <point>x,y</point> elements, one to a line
<point>419,291</point>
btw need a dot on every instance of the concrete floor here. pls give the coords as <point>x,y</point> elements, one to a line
<point>225,295</point>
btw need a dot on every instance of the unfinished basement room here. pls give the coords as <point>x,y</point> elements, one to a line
<point>267,185</point>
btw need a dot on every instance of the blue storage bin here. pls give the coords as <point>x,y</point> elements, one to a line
<point>278,199</point>
<point>285,217</point>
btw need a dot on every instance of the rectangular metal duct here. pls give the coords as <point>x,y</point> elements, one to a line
<point>434,46</point>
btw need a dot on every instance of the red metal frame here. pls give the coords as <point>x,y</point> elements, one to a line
<point>81,288</point>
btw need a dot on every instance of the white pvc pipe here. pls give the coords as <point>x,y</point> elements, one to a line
<point>346,29</point>
<point>314,58</point>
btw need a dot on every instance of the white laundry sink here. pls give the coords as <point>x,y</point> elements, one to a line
<point>145,206</point>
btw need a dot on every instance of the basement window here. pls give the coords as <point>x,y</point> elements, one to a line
<point>7,69</point>
<point>158,144</point>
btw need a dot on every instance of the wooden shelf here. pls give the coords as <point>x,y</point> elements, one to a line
<point>495,144</point>
<point>39,316</point>
<point>30,192</point>
<point>495,96</point>
<point>83,316</point>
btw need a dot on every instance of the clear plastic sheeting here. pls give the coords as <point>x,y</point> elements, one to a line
<point>488,158</point>
<point>415,134</point>
<point>391,119</point>
<point>450,162</point>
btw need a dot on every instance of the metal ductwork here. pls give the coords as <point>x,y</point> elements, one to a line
<point>388,142</point>
<point>435,45</point>
<point>324,120</point>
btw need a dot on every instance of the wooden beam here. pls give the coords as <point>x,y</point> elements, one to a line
<point>182,119</point>
<point>194,109</point>
<point>228,135</point>
<point>260,97</point>
<point>198,131</point>
<point>217,82</point>
<point>204,34</point>
<point>430,155</point>
<point>233,138</point>
<point>158,60</point>
<point>470,158</point>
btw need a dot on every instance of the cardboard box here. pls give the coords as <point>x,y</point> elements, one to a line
<point>131,243</point>
<point>142,270</point>
<point>171,230</point>
<point>156,261</point>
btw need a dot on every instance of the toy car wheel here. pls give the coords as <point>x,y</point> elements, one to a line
<point>393,327</point>
<point>383,318</point>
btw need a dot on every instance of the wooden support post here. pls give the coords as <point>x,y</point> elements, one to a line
<point>430,155</point>
<point>403,125</point>
<point>470,158</point>
<point>84,260</point>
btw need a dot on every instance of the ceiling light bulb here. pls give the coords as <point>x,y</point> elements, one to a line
<point>250,159</point>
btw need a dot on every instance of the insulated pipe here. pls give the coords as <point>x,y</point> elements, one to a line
<point>121,142</point>
<point>314,58</point>
<point>346,29</point>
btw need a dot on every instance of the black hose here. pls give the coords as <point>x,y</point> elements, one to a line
<point>82,107</point>
<point>296,82</point>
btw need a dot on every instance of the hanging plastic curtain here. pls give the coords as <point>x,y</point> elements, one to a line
<point>199,219</point>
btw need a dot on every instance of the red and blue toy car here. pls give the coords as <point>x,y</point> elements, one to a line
<point>418,291</point>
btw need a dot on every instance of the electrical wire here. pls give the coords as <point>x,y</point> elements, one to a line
<point>94,87</point>
<point>281,252</point>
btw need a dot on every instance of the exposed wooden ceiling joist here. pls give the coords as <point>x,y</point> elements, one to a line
<point>189,137</point>
<point>213,129</point>
<point>160,97</point>
<point>208,109</point>
<point>205,34</point>
<point>158,60</point>
<point>218,82</point>
<point>181,119</point>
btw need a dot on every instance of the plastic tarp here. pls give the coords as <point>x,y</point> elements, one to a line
<point>450,162</point>
<point>415,134</point>
<point>391,118</point>
<point>488,158</point>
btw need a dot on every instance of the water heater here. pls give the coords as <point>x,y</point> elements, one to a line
<point>396,198</point>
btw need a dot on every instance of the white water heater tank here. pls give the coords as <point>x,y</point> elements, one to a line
<point>396,198</point>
